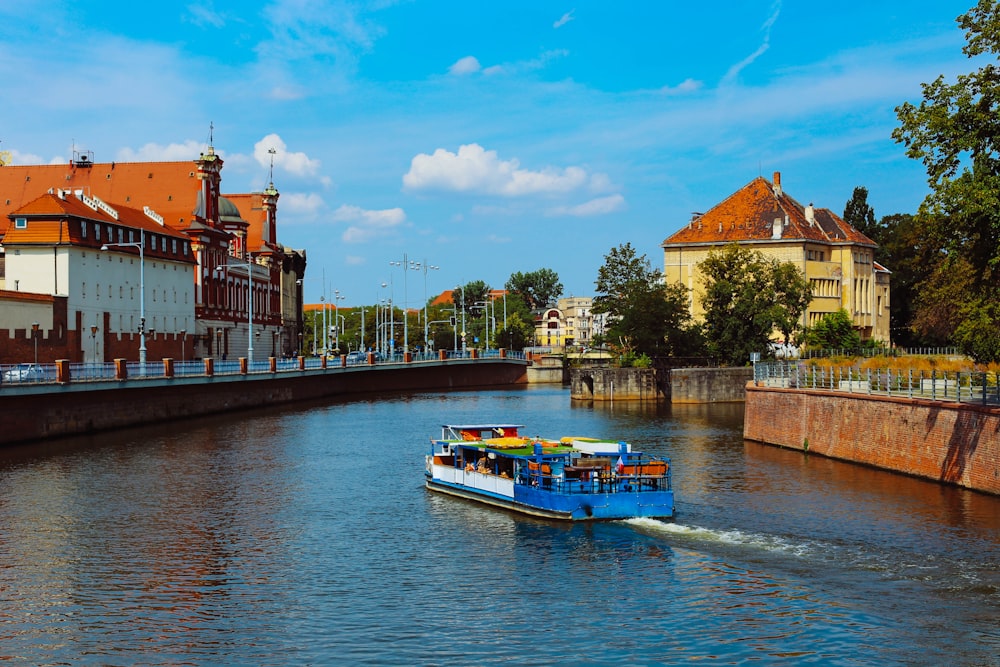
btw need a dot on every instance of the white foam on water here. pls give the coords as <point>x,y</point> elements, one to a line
<point>732,537</point>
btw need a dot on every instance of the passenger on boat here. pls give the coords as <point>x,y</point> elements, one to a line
<point>483,466</point>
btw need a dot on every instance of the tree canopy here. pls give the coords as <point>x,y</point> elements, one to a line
<point>955,132</point>
<point>539,289</point>
<point>859,214</point>
<point>645,316</point>
<point>747,297</point>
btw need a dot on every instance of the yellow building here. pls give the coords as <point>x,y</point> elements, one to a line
<point>836,258</point>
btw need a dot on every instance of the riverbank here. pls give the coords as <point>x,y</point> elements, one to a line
<point>37,412</point>
<point>950,442</point>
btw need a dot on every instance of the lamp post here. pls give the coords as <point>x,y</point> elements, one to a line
<point>426,267</point>
<point>249,265</point>
<point>142,289</point>
<point>93,339</point>
<point>463,320</point>
<point>337,296</point>
<point>34,336</point>
<point>184,334</point>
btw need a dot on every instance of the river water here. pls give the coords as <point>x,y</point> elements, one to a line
<point>305,537</point>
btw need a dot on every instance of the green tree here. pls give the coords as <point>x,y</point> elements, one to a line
<point>539,289</point>
<point>646,316</point>
<point>955,132</point>
<point>747,296</point>
<point>834,331</point>
<point>859,214</point>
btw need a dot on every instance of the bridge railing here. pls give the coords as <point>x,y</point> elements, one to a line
<point>64,371</point>
<point>937,385</point>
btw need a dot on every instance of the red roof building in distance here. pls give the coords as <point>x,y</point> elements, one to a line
<point>837,259</point>
<point>239,265</point>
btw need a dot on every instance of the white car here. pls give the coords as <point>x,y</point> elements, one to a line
<point>28,373</point>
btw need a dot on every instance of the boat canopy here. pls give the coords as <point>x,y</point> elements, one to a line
<point>479,431</point>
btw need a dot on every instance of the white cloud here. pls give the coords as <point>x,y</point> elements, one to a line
<point>599,206</point>
<point>466,65</point>
<point>735,70</point>
<point>365,225</point>
<point>685,86</point>
<point>564,19</point>
<point>17,157</point>
<point>303,205</point>
<point>476,170</point>
<point>151,152</point>
<point>203,14</point>
<point>299,164</point>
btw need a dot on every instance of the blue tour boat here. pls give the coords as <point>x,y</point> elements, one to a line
<point>572,478</point>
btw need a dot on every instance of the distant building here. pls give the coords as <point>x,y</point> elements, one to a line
<point>571,322</point>
<point>837,259</point>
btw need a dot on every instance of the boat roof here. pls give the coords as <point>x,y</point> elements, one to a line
<point>481,427</point>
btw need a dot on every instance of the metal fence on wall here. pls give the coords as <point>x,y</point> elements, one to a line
<point>960,386</point>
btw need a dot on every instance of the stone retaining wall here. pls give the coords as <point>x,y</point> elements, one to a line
<point>955,443</point>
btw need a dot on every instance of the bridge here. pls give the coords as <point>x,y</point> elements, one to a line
<point>67,401</point>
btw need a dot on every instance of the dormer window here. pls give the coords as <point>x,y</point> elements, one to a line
<point>20,223</point>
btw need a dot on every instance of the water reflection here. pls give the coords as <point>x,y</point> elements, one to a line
<point>296,537</point>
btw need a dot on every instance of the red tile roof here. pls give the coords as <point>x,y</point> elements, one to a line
<point>49,215</point>
<point>169,188</point>
<point>750,213</point>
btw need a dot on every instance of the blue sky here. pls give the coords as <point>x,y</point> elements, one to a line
<point>483,138</point>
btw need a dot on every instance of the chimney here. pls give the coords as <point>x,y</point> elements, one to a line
<point>810,214</point>
<point>777,184</point>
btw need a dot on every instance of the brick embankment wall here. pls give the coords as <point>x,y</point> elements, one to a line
<point>955,443</point>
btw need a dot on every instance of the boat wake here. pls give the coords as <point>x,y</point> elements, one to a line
<point>733,537</point>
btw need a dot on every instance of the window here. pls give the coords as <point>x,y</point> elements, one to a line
<point>83,229</point>
<point>20,223</point>
<point>97,232</point>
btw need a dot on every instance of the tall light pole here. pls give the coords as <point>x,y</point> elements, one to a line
<point>34,336</point>
<point>184,334</point>
<point>300,282</point>
<point>142,289</point>
<point>462,287</point>
<point>337,296</point>
<point>93,339</point>
<point>426,267</point>
<point>249,265</point>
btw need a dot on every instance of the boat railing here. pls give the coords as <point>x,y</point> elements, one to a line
<point>638,477</point>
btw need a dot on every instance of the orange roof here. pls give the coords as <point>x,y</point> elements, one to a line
<point>48,222</point>
<point>169,188</point>
<point>750,214</point>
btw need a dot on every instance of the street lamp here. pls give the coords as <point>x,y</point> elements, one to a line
<point>406,266</point>
<point>425,267</point>
<point>463,319</point>
<point>93,338</point>
<point>184,334</point>
<point>249,265</point>
<point>34,335</point>
<point>337,296</point>
<point>142,289</point>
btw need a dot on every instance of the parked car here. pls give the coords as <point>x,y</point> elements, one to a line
<point>28,373</point>
<point>357,357</point>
